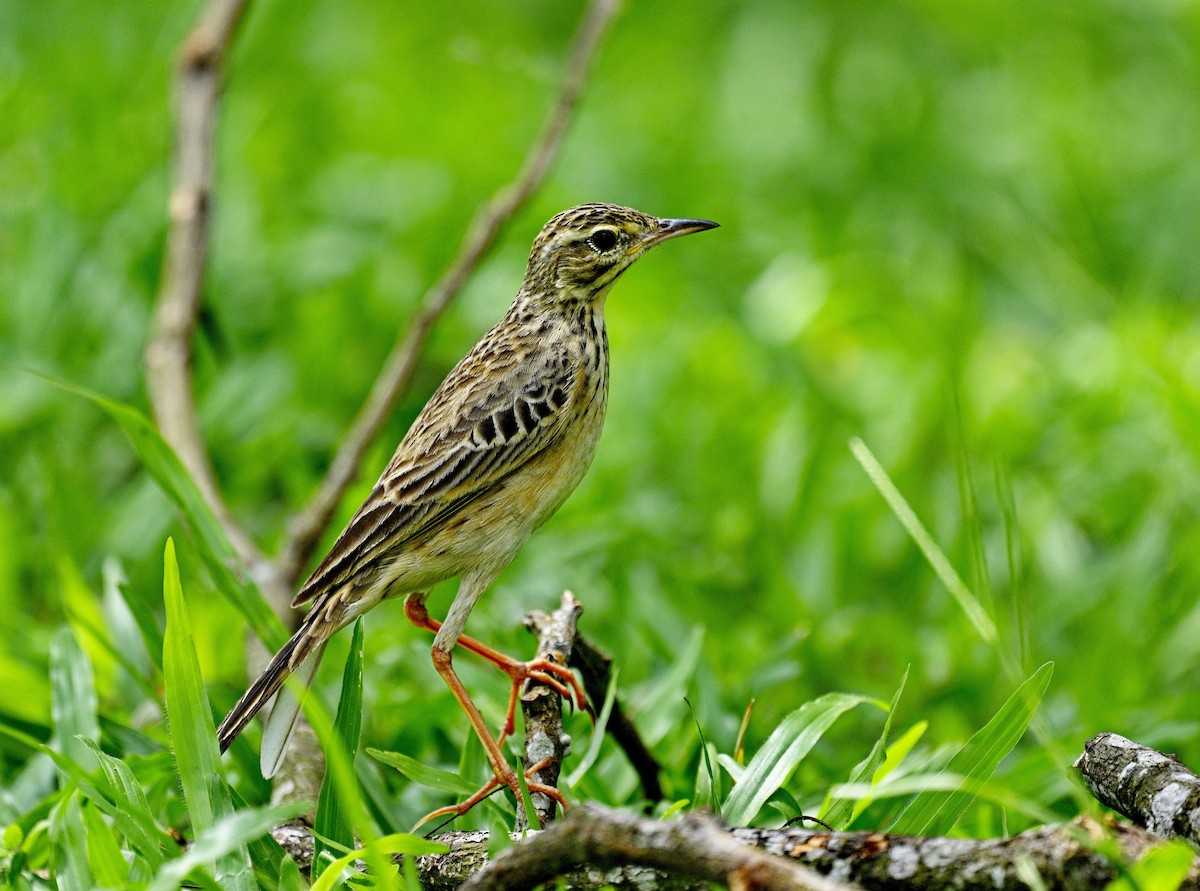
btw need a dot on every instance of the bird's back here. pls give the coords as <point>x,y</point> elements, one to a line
<point>500,445</point>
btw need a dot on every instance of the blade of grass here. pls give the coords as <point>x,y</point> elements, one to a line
<point>124,632</point>
<point>72,698</point>
<point>193,735</point>
<point>936,812</point>
<point>80,779</point>
<point>658,711</point>
<point>289,876</point>
<point>1028,873</point>
<point>769,769</point>
<point>109,867</point>
<point>341,768</point>
<point>838,812</point>
<point>707,791</point>
<point>423,774</point>
<point>526,802</point>
<point>137,821</point>
<point>226,837</point>
<point>99,636</point>
<point>895,755</point>
<point>937,559</point>
<point>400,843</point>
<point>176,483</point>
<point>69,845</point>
<point>265,852</point>
<point>1163,868</point>
<point>333,820</point>
<point>943,783</point>
<point>143,616</point>
<point>598,731</point>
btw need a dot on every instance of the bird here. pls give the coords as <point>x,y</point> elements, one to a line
<point>498,447</point>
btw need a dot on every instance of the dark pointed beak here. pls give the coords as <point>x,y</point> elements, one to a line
<point>668,229</point>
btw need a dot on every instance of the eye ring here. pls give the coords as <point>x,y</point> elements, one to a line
<point>603,240</point>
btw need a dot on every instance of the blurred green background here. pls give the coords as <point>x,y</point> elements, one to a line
<point>966,233</point>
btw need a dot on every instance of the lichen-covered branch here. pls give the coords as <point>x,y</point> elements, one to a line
<point>545,742</point>
<point>595,839</point>
<point>595,848</point>
<point>1150,788</point>
<point>397,373</point>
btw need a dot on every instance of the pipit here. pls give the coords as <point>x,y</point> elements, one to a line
<point>499,446</point>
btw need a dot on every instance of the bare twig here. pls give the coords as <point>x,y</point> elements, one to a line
<point>1150,788</point>
<point>396,376</point>
<point>545,741</point>
<point>169,353</point>
<point>595,666</point>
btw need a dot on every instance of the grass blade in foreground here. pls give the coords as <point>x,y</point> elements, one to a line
<point>839,812</point>
<point>72,698</point>
<point>935,813</point>
<point>108,864</point>
<point>333,818</point>
<point>223,839</point>
<point>423,774</point>
<point>1164,868</point>
<point>783,750</point>
<point>84,784</point>
<point>135,819</point>
<point>177,484</point>
<point>68,845</point>
<point>193,736</point>
<point>937,559</point>
<point>400,843</point>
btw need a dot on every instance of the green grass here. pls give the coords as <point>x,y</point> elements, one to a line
<point>962,236</point>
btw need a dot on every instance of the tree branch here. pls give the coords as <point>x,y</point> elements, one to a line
<point>169,355</point>
<point>396,376</point>
<point>595,848</point>
<point>545,741</point>
<point>1150,788</point>
<point>594,838</point>
<point>595,666</point>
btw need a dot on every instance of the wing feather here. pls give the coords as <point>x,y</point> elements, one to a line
<point>456,450</point>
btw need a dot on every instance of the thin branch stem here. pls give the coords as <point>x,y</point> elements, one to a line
<point>169,357</point>
<point>397,373</point>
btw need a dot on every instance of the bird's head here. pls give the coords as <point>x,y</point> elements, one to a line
<point>582,251</point>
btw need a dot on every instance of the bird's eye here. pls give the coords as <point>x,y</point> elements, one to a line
<point>603,240</point>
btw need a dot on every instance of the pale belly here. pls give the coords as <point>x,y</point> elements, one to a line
<point>487,533</point>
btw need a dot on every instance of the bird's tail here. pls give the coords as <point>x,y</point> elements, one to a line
<point>300,654</point>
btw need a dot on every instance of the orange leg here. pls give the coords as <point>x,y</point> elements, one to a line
<point>457,810</point>
<point>541,670</point>
<point>502,773</point>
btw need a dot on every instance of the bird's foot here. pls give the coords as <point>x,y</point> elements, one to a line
<point>510,779</point>
<point>542,671</point>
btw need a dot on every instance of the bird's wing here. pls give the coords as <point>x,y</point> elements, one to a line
<point>493,413</point>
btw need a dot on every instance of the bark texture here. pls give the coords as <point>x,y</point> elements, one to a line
<point>1152,789</point>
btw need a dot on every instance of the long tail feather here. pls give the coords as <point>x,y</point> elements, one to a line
<point>308,641</point>
<point>284,714</point>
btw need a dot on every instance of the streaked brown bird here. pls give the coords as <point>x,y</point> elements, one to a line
<point>499,446</point>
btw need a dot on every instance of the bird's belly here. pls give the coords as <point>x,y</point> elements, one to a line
<point>487,532</point>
